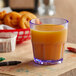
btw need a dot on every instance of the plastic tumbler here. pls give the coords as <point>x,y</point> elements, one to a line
<point>48,36</point>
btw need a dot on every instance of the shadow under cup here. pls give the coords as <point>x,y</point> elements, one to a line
<point>48,36</point>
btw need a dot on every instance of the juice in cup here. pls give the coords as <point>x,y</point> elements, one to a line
<point>48,42</point>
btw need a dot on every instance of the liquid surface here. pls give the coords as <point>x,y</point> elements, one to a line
<point>49,27</point>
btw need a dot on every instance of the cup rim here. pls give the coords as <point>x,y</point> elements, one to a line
<point>66,21</point>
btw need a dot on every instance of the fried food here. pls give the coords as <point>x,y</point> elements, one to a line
<point>24,12</point>
<point>37,21</point>
<point>1,22</point>
<point>16,20</point>
<point>2,15</point>
<point>24,21</point>
<point>12,19</point>
<point>28,13</point>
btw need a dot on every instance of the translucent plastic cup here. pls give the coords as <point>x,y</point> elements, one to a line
<point>48,36</point>
<point>7,42</point>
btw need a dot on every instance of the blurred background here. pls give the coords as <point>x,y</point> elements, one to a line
<point>48,8</point>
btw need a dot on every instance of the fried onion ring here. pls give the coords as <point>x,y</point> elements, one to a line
<point>24,21</point>
<point>12,19</point>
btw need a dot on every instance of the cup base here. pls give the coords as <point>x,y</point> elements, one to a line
<point>48,62</point>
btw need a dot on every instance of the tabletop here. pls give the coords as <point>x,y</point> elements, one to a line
<point>24,53</point>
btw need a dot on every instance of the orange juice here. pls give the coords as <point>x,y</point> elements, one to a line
<point>48,41</point>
